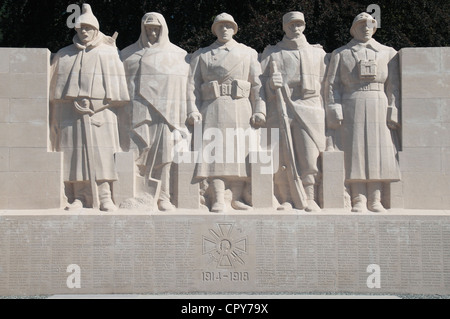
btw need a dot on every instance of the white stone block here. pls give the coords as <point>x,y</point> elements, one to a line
<point>34,160</point>
<point>396,196</point>
<point>333,179</point>
<point>421,111</point>
<point>4,110</point>
<point>445,111</point>
<point>420,60</point>
<point>28,85</point>
<point>33,110</point>
<point>446,161</point>
<point>423,135</point>
<point>29,60</point>
<point>124,187</point>
<point>187,189</point>
<point>425,85</point>
<point>4,159</point>
<point>4,60</point>
<point>5,85</point>
<point>425,190</point>
<point>4,135</point>
<point>262,187</point>
<point>28,190</point>
<point>423,159</point>
<point>27,135</point>
<point>445,56</point>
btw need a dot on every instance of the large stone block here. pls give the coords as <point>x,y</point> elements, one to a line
<point>425,85</point>
<point>445,111</point>
<point>29,60</point>
<point>32,110</point>
<point>5,85</point>
<point>4,110</point>
<point>31,190</point>
<point>445,56</point>
<point>28,85</point>
<point>24,135</point>
<point>424,159</point>
<point>187,189</point>
<point>424,135</point>
<point>446,161</point>
<point>420,60</point>
<point>209,253</point>
<point>4,61</point>
<point>425,190</point>
<point>262,181</point>
<point>421,111</point>
<point>333,179</point>
<point>34,160</point>
<point>124,187</point>
<point>4,159</point>
<point>395,191</point>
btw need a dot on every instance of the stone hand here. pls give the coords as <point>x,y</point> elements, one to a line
<point>276,81</point>
<point>258,120</point>
<point>194,117</point>
<point>334,116</point>
<point>82,106</point>
<point>392,118</point>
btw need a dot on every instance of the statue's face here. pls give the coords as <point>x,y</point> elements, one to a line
<point>363,31</point>
<point>86,33</point>
<point>153,32</point>
<point>294,29</point>
<point>224,31</point>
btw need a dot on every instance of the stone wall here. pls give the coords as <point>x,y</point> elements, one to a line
<point>194,252</point>
<point>30,176</point>
<point>425,159</point>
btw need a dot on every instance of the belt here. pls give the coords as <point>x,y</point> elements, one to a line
<point>369,87</point>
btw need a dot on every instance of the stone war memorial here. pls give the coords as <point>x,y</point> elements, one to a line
<point>151,170</point>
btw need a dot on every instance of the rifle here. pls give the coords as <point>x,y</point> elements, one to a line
<point>295,184</point>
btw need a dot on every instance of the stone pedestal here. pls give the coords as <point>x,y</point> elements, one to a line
<point>132,252</point>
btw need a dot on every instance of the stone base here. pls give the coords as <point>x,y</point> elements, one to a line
<point>193,251</point>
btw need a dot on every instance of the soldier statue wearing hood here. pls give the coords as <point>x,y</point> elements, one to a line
<point>157,73</point>
<point>88,82</point>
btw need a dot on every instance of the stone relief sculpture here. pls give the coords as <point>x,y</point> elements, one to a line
<point>225,93</point>
<point>88,82</point>
<point>294,71</point>
<point>157,73</point>
<point>362,94</point>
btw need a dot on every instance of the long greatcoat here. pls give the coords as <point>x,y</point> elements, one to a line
<point>367,142</point>
<point>94,72</point>
<point>303,68</point>
<point>225,63</point>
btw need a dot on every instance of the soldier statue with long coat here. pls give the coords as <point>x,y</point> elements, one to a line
<point>88,82</point>
<point>363,98</point>
<point>226,94</point>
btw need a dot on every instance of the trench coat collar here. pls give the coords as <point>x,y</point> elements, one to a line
<point>223,46</point>
<point>356,45</point>
<point>294,44</point>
